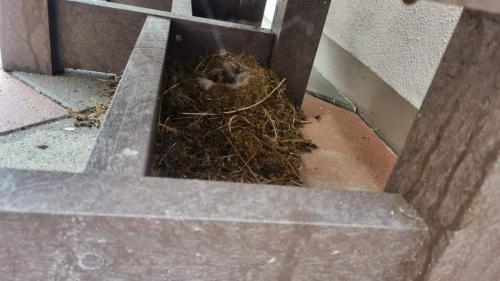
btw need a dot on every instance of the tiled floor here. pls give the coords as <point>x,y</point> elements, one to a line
<point>54,146</point>
<point>75,89</point>
<point>21,106</point>
<point>31,137</point>
<point>350,155</point>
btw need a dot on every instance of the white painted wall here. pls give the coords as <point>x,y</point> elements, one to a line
<point>269,13</point>
<point>402,44</point>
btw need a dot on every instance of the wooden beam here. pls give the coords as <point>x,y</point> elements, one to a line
<point>298,26</point>
<point>190,39</point>
<point>76,226</point>
<point>124,142</point>
<point>94,38</point>
<point>253,11</point>
<point>453,147</point>
<point>100,35</point>
<point>472,251</point>
<point>162,5</point>
<point>25,36</point>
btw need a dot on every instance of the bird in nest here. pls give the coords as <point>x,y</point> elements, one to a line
<point>229,74</point>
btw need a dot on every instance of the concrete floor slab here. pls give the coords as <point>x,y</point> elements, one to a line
<point>21,106</point>
<point>56,146</point>
<point>349,153</point>
<point>75,89</point>
<point>320,87</point>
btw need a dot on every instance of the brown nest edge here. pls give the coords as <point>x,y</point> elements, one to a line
<point>241,127</point>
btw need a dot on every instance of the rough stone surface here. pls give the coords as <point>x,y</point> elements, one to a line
<point>77,90</point>
<point>167,229</point>
<point>124,143</point>
<point>25,37</point>
<point>454,142</point>
<point>298,26</point>
<point>183,7</point>
<point>65,150</point>
<point>21,106</point>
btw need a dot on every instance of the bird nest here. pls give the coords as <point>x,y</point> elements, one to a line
<point>225,117</point>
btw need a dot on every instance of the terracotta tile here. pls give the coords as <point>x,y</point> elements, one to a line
<point>350,155</point>
<point>75,89</point>
<point>21,106</point>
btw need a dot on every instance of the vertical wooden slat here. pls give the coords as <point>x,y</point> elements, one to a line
<point>162,5</point>
<point>252,11</point>
<point>25,36</point>
<point>298,26</point>
<point>94,37</point>
<point>123,145</point>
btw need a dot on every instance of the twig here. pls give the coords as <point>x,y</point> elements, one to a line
<point>173,87</point>
<point>245,164</point>
<point>240,109</point>
<point>274,126</point>
<point>230,122</point>
<point>260,102</point>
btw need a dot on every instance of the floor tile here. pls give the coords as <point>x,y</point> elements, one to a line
<point>350,155</point>
<point>56,146</point>
<point>21,106</point>
<point>77,90</point>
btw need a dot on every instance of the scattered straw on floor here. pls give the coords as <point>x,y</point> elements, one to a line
<point>95,116</point>
<point>240,127</point>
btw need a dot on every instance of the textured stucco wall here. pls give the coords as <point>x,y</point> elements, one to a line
<point>400,43</point>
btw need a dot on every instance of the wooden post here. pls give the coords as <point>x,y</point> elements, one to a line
<point>131,122</point>
<point>103,227</point>
<point>449,169</point>
<point>252,11</point>
<point>25,36</point>
<point>162,5</point>
<point>298,26</point>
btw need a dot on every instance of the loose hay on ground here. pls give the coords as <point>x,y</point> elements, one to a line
<point>95,115</point>
<point>249,133</point>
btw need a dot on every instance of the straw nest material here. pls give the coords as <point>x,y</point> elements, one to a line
<point>94,116</point>
<point>226,117</point>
